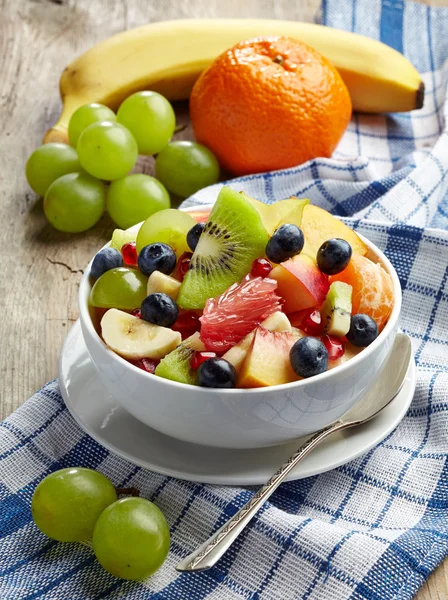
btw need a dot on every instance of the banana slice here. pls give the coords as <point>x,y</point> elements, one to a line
<point>159,282</point>
<point>278,321</point>
<point>135,338</point>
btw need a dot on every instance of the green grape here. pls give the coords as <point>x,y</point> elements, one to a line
<point>134,198</point>
<point>186,167</point>
<point>49,162</point>
<point>67,503</point>
<point>107,150</point>
<point>86,115</point>
<point>131,538</point>
<point>150,118</point>
<point>121,237</point>
<point>75,202</point>
<point>169,226</point>
<point>119,288</point>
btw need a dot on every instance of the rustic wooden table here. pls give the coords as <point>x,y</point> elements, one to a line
<point>41,267</point>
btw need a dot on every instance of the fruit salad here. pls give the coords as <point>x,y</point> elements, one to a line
<point>249,295</point>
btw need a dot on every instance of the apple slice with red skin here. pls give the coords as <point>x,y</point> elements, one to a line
<point>301,284</point>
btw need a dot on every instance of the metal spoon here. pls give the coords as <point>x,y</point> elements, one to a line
<point>388,385</point>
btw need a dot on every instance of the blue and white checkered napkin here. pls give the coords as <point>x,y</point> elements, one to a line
<point>374,528</point>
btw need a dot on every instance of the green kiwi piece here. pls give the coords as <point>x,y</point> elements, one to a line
<point>336,309</point>
<point>176,364</point>
<point>234,236</point>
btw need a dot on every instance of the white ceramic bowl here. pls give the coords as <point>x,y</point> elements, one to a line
<point>239,418</point>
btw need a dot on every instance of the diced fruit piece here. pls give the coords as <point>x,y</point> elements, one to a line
<point>187,323</point>
<point>286,242</point>
<point>185,167</point>
<point>309,320</point>
<point>333,256</point>
<point>278,321</point>
<point>363,330</point>
<point>300,283</point>
<point>168,226</point>
<point>67,503</point>
<point>231,316</point>
<point>134,198</point>
<point>267,361</point>
<point>159,282</point>
<point>129,252</point>
<point>176,365</point>
<point>150,118</point>
<point>337,309</point>
<point>156,257</point>
<point>119,288</point>
<point>318,226</point>
<point>160,309</point>
<point>106,259</point>
<point>350,351</point>
<point>233,238</point>
<point>120,237</point>
<point>309,357</point>
<point>146,364</point>
<point>182,266</point>
<point>131,538</point>
<point>194,234</point>
<point>199,357</point>
<point>334,346</point>
<point>200,216</point>
<point>217,373</point>
<point>135,338</point>
<point>372,288</point>
<point>260,268</point>
<point>283,211</point>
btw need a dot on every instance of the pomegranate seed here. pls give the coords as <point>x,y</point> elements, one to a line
<point>261,268</point>
<point>182,266</point>
<point>199,357</point>
<point>146,364</point>
<point>187,323</point>
<point>129,252</point>
<point>312,322</point>
<point>137,313</point>
<point>334,346</point>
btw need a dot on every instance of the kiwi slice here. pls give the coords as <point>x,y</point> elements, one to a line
<point>337,308</point>
<point>176,364</point>
<point>233,237</point>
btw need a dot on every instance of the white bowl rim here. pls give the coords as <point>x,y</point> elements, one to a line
<point>85,317</point>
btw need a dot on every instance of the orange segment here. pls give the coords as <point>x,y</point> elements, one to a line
<point>372,288</point>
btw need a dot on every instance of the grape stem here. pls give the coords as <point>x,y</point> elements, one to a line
<point>127,491</point>
<point>180,128</point>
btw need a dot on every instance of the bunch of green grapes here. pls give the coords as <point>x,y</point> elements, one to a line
<point>131,537</point>
<point>104,147</point>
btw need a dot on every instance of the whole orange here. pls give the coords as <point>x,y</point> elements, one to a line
<point>269,103</point>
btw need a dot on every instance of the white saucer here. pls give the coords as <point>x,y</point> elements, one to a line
<point>110,425</point>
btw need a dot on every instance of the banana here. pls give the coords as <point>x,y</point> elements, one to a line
<point>159,282</point>
<point>135,338</point>
<point>168,57</point>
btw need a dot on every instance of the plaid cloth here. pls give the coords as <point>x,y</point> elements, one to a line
<point>374,528</point>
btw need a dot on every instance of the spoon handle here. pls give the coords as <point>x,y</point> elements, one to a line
<point>208,554</point>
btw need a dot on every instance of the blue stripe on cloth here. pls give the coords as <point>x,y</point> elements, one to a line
<point>391,24</point>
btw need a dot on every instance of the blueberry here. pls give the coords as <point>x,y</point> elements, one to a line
<point>363,330</point>
<point>308,357</point>
<point>156,257</point>
<point>194,234</point>
<point>285,242</point>
<point>106,259</point>
<point>333,256</point>
<point>159,309</point>
<point>217,373</point>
